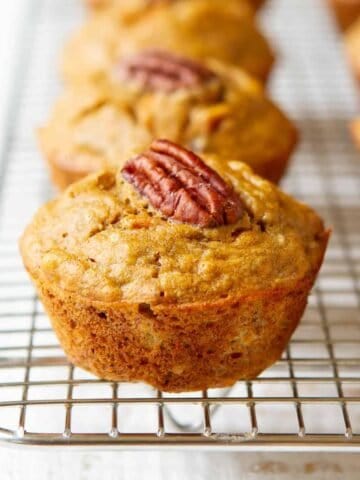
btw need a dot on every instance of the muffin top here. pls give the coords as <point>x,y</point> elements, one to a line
<point>210,109</point>
<point>202,29</point>
<point>173,228</point>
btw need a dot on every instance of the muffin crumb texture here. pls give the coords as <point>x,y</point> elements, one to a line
<point>135,296</point>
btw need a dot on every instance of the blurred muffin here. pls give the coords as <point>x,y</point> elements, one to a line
<point>130,7</point>
<point>257,3</point>
<point>183,272</point>
<point>355,130</point>
<point>200,30</point>
<point>215,109</point>
<point>346,11</point>
<point>352,45</point>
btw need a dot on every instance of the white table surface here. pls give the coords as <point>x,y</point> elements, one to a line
<point>35,464</point>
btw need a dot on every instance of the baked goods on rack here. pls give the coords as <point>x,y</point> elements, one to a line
<point>201,30</point>
<point>183,272</point>
<point>213,109</point>
<point>346,11</point>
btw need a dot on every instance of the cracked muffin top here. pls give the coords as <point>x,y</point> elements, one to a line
<point>202,29</point>
<point>209,109</point>
<point>174,228</point>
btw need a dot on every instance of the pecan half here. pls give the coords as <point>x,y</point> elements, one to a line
<point>179,184</point>
<point>164,71</point>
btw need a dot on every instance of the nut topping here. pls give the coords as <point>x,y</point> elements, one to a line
<point>179,184</point>
<point>163,71</point>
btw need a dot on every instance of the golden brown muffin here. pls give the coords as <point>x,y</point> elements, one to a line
<point>257,3</point>
<point>221,111</point>
<point>352,45</point>
<point>200,30</point>
<point>355,130</point>
<point>133,6</point>
<point>346,11</point>
<point>179,273</point>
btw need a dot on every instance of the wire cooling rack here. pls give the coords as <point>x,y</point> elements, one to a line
<point>311,397</point>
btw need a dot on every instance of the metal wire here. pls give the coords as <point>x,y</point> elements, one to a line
<point>311,397</point>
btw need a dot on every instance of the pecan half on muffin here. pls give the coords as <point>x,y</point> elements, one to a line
<point>352,45</point>
<point>346,11</point>
<point>211,109</point>
<point>179,271</point>
<point>198,29</point>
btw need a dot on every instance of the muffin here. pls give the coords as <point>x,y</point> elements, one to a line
<point>346,11</point>
<point>179,271</point>
<point>352,45</point>
<point>130,7</point>
<point>355,130</point>
<point>200,30</point>
<point>257,3</point>
<point>213,109</point>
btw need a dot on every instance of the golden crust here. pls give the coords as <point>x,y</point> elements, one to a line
<point>352,46</point>
<point>91,127</point>
<point>135,297</point>
<point>229,29</point>
<point>346,11</point>
<point>178,348</point>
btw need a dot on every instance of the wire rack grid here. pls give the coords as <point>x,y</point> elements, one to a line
<point>311,397</point>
